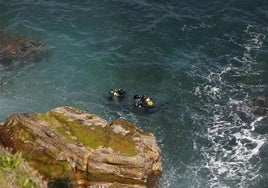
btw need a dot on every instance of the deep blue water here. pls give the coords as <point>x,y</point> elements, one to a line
<point>198,60</point>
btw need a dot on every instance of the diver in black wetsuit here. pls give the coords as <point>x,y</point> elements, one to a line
<point>142,101</point>
<point>139,101</point>
<point>117,94</point>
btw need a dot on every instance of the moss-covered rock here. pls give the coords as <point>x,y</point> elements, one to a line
<point>73,145</point>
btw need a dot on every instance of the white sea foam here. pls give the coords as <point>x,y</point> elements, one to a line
<point>232,155</point>
<point>237,162</point>
<point>254,42</point>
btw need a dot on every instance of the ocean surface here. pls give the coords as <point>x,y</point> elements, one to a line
<point>199,60</point>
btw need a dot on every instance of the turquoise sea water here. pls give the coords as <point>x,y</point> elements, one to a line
<point>198,61</point>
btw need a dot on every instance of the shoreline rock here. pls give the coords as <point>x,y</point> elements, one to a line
<point>71,145</point>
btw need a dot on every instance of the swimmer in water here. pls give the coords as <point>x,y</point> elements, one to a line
<point>142,101</point>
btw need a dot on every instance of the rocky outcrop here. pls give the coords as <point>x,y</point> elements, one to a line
<point>67,144</point>
<point>13,48</point>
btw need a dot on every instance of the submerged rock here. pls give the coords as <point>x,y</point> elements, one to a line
<point>259,105</point>
<point>261,126</point>
<point>256,113</point>
<point>13,48</point>
<point>67,144</point>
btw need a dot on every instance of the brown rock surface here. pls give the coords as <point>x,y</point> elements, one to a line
<point>83,149</point>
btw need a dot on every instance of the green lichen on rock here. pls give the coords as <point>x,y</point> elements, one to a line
<point>91,136</point>
<point>57,126</point>
<point>75,130</point>
<point>48,165</point>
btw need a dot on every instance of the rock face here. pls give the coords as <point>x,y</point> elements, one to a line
<point>13,48</point>
<point>67,144</point>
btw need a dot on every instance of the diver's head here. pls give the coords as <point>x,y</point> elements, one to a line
<point>137,97</point>
<point>116,94</point>
<point>113,92</point>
